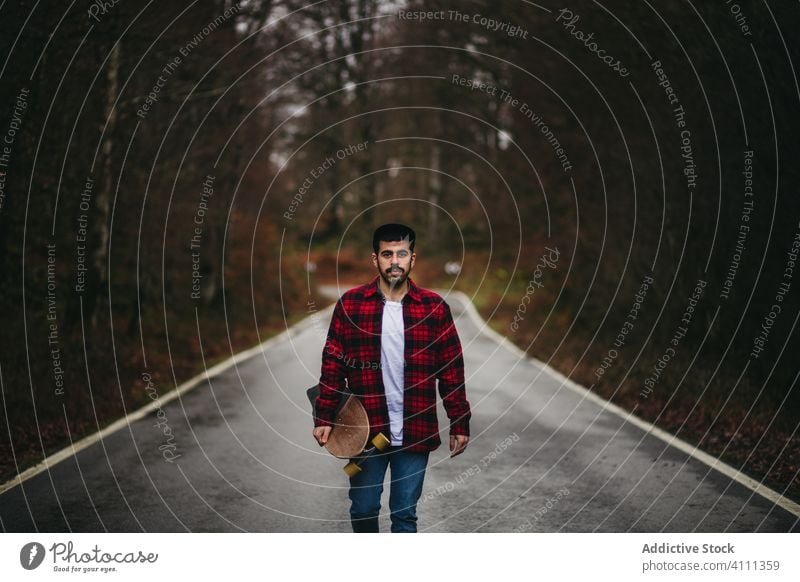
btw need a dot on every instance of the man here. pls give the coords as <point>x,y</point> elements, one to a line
<point>391,341</point>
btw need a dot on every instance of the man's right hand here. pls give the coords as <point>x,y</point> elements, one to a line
<point>321,433</point>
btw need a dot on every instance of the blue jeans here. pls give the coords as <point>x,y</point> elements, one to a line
<point>407,474</point>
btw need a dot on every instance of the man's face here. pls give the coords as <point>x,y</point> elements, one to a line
<point>394,262</point>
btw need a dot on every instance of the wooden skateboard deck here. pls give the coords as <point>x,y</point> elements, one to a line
<point>350,429</point>
<point>348,437</point>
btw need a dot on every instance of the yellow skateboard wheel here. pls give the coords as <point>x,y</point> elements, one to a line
<point>381,442</point>
<point>352,469</point>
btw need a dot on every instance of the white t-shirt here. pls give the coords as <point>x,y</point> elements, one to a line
<point>392,357</point>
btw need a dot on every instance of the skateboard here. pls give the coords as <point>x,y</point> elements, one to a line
<point>348,437</point>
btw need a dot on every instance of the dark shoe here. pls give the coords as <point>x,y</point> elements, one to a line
<point>365,525</point>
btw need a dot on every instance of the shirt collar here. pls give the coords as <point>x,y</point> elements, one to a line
<point>374,289</point>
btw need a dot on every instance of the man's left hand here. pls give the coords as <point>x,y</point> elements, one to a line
<point>458,442</point>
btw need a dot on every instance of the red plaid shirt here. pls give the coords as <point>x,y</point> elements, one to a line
<point>432,351</point>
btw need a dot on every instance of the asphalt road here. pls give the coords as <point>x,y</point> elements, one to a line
<point>542,458</point>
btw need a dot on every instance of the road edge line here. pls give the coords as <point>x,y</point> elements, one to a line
<point>649,428</point>
<point>87,441</point>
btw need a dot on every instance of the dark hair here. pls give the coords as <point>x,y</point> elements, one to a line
<point>393,232</point>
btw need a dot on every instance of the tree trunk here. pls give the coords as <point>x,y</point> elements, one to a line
<point>102,197</point>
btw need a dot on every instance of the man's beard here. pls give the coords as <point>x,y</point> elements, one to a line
<point>394,281</point>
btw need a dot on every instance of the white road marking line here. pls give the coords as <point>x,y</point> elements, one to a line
<point>672,440</point>
<point>91,439</point>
